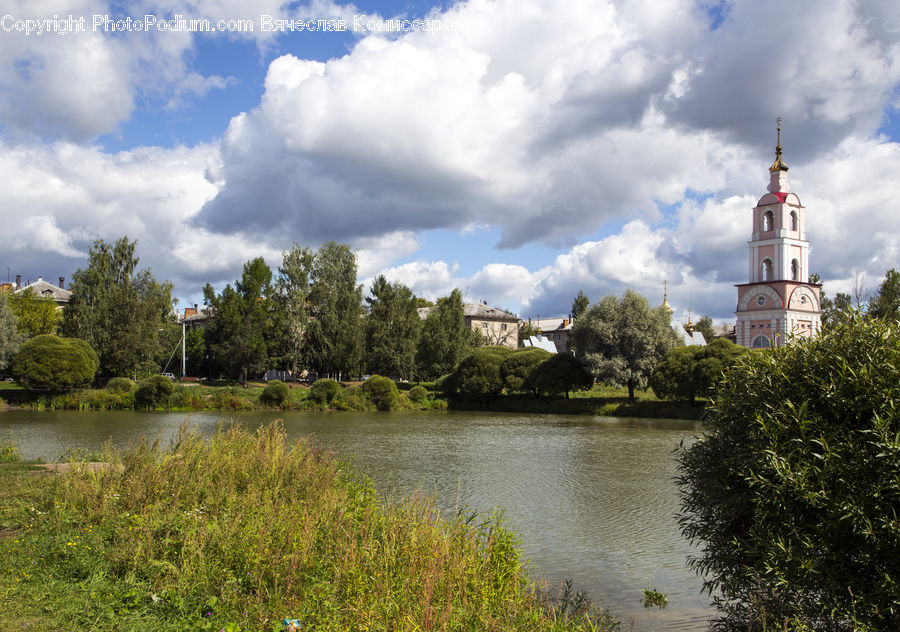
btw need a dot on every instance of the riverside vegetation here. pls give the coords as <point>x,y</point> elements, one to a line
<point>240,530</point>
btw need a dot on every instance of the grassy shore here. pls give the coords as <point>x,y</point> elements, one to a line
<point>241,530</point>
<point>600,400</point>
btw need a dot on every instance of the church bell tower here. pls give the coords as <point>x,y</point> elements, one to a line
<point>778,302</point>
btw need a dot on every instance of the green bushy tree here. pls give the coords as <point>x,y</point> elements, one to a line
<point>55,363</point>
<point>276,393</point>
<point>381,391</point>
<point>153,391</point>
<point>558,374</point>
<point>392,329</point>
<point>621,342</point>
<point>688,371</point>
<point>418,394</point>
<point>10,338</point>
<point>479,372</point>
<point>36,314</point>
<point>445,339</point>
<point>324,390</point>
<point>120,385</point>
<point>793,492</point>
<point>118,309</point>
<point>518,365</point>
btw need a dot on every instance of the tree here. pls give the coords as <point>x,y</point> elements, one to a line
<point>687,371</point>
<point>526,331</point>
<point>10,338</point>
<point>153,391</point>
<point>236,336</point>
<point>36,315</point>
<point>705,327</point>
<point>333,337</point>
<point>118,310</point>
<point>381,391</point>
<point>886,304</point>
<point>579,305</point>
<point>621,342</point>
<point>445,338</point>
<point>479,372</point>
<point>834,311</point>
<point>392,329</point>
<point>519,365</point>
<point>292,295</point>
<point>793,488</point>
<point>558,374</point>
<point>54,363</point>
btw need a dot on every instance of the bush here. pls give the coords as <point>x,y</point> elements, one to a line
<point>518,366</point>
<point>275,394</point>
<point>120,385</point>
<point>324,390</point>
<point>55,363</point>
<point>690,371</point>
<point>559,374</point>
<point>381,391</point>
<point>417,394</point>
<point>153,392</point>
<point>795,488</point>
<point>479,372</point>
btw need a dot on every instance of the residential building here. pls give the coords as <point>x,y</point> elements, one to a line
<point>556,330</point>
<point>497,326</point>
<point>44,289</point>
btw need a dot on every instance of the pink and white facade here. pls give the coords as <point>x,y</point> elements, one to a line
<point>778,302</point>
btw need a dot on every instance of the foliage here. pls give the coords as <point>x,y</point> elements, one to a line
<point>418,394</point>
<point>118,310</point>
<point>153,391</point>
<point>689,371</point>
<point>36,315</point>
<point>526,331</point>
<point>886,303</point>
<point>54,363</point>
<point>579,305</point>
<point>9,453</point>
<point>558,374</point>
<point>705,327</point>
<point>292,289</point>
<point>445,338</point>
<point>621,342</point>
<point>518,365</point>
<point>793,491</point>
<point>333,338</point>
<point>392,329</point>
<point>236,337</point>
<point>479,372</point>
<point>120,385</point>
<point>655,599</point>
<point>10,338</point>
<point>381,391</point>
<point>276,393</point>
<point>324,390</point>
<point>237,531</point>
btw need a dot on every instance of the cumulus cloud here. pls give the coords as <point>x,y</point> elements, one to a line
<point>644,124</point>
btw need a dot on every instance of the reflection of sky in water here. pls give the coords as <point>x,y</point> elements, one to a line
<point>592,499</point>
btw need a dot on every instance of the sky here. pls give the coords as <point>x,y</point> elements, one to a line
<point>518,150</point>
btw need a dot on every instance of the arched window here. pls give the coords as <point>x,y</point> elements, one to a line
<point>761,342</point>
<point>793,220</point>
<point>768,221</point>
<point>795,270</point>
<point>766,270</point>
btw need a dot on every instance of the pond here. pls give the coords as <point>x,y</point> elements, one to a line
<point>591,498</point>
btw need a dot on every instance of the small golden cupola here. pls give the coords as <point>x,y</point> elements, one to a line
<point>778,165</point>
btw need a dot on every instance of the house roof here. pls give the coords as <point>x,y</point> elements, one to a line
<point>553,324</point>
<point>48,290</point>
<point>478,311</point>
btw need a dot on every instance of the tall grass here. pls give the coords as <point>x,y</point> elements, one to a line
<point>241,530</point>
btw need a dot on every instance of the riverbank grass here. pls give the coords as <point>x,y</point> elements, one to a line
<point>241,530</point>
